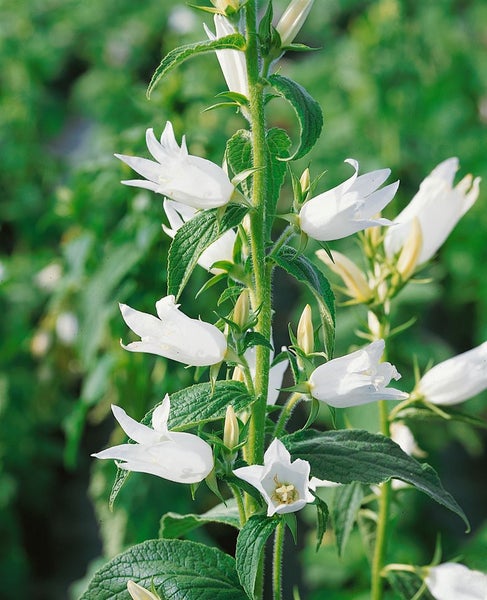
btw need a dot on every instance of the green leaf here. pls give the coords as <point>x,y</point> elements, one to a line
<point>407,585</point>
<point>347,501</point>
<point>239,157</point>
<point>235,41</point>
<point>193,238</point>
<point>278,144</point>
<point>203,402</point>
<point>178,569</point>
<point>174,525</point>
<point>305,272</point>
<point>351,455</point>
<point>322,514</point>
<point>250,545</point>
<point>307,110</point>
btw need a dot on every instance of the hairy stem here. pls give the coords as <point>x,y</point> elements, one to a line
<point>277,561</point>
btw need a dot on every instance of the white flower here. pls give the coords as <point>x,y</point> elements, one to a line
<point>356,378</point>
<point>456,379</point>
<point>292,20</point>
<point>438,206</point>
<point>176,456</point>
<point>188,179</point>
<point>67,327</point>
<point>139,593</point>
<point>174,335</point>
<point>283,484</point>
<point>222,249</point>
<point>350,207</point>
<point>404,438</point>
<point>232,62</point>
<point>452,581</point>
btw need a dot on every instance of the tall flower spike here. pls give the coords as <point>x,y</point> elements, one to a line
<point>177,214</point>
<point>357,378</point>
<point>452,581</point>
<point>176,456</point>
<point>188,179</point>
<point>456,379</point>
<point>174,335</point>
<point>350,207</point>
<point>438,206</point>
<point>284,485</point>
<point>232,62</point>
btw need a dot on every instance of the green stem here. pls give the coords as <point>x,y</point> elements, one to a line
<point>286,413</point>
<point>240,505</point>
<point>277,561</point>
<point>260,291</point>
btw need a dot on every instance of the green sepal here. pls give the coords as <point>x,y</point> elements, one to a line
<point>250,545</point>
<point>234,41</point>
<point>292,524</point>
<point>307,110</point>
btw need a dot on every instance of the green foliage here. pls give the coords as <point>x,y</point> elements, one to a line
<point>174,525</point>
<point>250,546</point>
<point>346,503</point>
<point>350,455</point>
<point>178,569</point>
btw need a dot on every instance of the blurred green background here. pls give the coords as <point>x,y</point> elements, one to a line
<point>402,84</point>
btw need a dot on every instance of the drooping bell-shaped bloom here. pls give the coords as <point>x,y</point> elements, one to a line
<point>292,20</point>
<point>456,379</point>
<point>349,207</point>
<point>284,485</point>
<point>356,285</point>
<point>438,206</point>
<point>232,62</point>
<point>178,214</point>
<point>453,581</point>
<point>175,173</point>
<point>176,456</point>
<point>356,378</point>
<point>137,592</point>
<point>174,335</point>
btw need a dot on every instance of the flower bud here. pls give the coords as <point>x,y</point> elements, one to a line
<point>353,278</point>
<point>238,375</point>
<point>241,309</point>
<point>408,258</point>
<point>231,430</point>
<point>305,333</point>
<point>292,20</point>
<point>227,7</point>
<point>305,181</point>
<point>139,593</point>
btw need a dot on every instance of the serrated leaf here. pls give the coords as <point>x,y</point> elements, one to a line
<point>239,157</point>
<point>278,144</point>
<point>306,108</point>
<point>178,569</point>
<point>174,525</point>
<point>350,455</point>
<point>305,272</point>
<point>322,514</point>
<point>193,238</point>
<point>346,503</point>
<point>250,546</point>
<point>407,585</point>
<point>235,41</point>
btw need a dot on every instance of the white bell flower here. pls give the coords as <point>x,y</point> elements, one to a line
<point>188,179</point>
<point>292,20</point>
<point>452,581</point>
<point>174,335</point>
<point>356,378</point>
<point>232,62</point>
<point>456,379</point>
<point>349,207</point>
<point>438,206</point>
<point>222,249</point>
<point>276,373</point>
<point>176,456</point>
<point>284,485</point>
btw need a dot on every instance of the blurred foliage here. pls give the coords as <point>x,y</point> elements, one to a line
<point>402,84</point>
